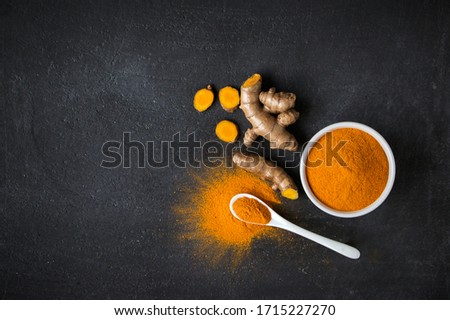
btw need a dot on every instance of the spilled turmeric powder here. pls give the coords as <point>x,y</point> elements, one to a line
<point>251,210</point>
<point>205,217</point>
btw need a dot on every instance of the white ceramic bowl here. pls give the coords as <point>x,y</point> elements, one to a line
<point>389,184</point>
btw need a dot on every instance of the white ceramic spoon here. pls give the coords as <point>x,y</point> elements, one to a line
<point>279,222</point>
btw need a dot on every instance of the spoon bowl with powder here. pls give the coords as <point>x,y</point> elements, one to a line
<point>252,210</point>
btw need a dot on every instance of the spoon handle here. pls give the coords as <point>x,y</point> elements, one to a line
<point>339,247</point>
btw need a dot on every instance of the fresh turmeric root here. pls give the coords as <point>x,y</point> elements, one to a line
<point>264,124</point>
<point>277,102</point>
<point>267,171</point>
<point>227,131</point>
<point>203,99</point>
<point>229,98</point>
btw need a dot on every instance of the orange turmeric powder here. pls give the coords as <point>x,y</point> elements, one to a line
<point>205,217</point>
<point>251,210</point>
<point>358,181</point>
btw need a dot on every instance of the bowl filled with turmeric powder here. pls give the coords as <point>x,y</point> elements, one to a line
<point>347,169</point>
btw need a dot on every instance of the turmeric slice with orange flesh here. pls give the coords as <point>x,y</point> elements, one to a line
<point>203,99</point>
<point>229,98</point>
<point>227,131</point>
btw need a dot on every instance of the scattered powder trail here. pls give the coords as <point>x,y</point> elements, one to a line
<point>205,218</point>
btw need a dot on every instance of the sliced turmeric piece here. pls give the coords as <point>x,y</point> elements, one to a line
<point>227,131</point>
<point>229,98</point>
<point>203,99</point>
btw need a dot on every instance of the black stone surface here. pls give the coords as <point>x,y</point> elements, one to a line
<point>78,73</point>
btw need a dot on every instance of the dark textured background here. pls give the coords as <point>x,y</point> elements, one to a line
<point>78,73</point>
